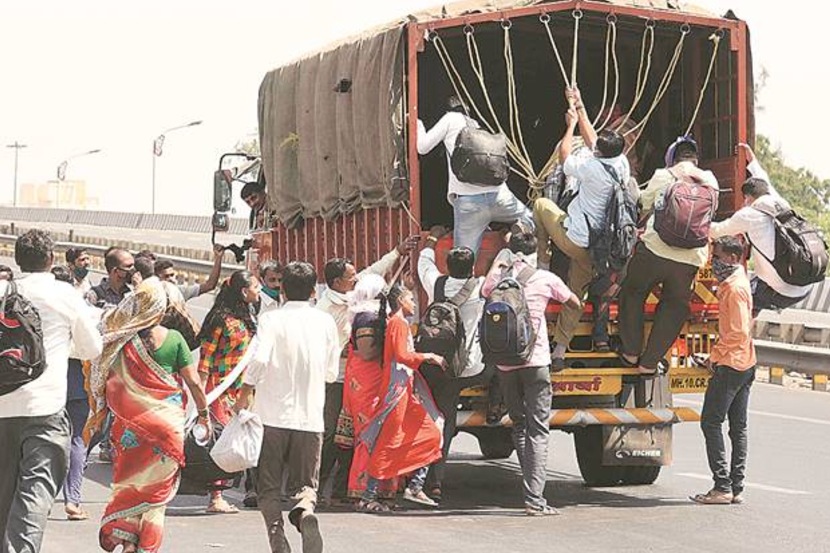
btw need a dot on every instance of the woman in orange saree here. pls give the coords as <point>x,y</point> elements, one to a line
<point>140,363</point>
<point>405,433</point>
<point>364,375</point>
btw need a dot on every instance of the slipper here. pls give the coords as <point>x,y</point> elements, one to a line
<point>626,363</point>
<point>374,506</point>
<point>222,508</point>
<point>75,513</point>
<point>420,498</point>
<point>713,497</point>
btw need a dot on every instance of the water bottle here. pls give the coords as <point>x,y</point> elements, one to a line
<point>200,434</point>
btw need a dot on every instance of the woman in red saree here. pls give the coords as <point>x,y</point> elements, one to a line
<point>141,360</point>
<point>364,375</point>
<point>404,435</point>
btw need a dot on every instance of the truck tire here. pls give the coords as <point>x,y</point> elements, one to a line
<point>588,444</point>
<point>495,443</point>
<point>641,475</point>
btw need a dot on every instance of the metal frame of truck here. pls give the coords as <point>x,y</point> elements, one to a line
<point>621,423</point>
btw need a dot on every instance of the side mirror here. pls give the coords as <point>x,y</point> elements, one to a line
<point>222,190</point>
<point>220,222</point>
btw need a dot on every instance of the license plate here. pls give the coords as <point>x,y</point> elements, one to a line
<point>688,383</point>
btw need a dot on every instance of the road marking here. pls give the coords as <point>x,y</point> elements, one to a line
<point>750,485</point>
<point>824,422</point>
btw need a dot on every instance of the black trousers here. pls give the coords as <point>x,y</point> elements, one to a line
<point>335,462</point>
<point>645,271</point>
<point>727,396</point>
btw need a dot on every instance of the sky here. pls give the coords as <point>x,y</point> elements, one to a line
<point>92,74</point>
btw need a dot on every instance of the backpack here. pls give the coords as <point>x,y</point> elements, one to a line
<point>506,331</point>
<point>800,251</point>
<point>612,245</point>
<point>22,355</point>
<point>441,329</point>
<point>683,217</point>
<point>480,157</point>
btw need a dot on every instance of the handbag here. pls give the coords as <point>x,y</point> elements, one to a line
<point>239,445</point>
<point>344,431</point>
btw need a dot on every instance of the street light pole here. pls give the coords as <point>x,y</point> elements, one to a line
<point>158,144</point>
<point>17,146</point>
<point>62,172</point>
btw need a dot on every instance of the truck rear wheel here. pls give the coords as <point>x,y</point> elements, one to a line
<point>495,443</point>
<point>641,475</point>
<point>588,442</point>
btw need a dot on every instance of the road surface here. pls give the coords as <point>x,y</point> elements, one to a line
<point>788,496</point>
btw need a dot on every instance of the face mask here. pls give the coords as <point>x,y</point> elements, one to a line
<point>81,272</point>
<point>722,270</point>
<point>273,293</point>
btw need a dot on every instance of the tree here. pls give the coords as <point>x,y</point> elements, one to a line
<point>248,145</point>
<point>808,194</point>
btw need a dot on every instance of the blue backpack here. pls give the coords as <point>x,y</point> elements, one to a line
<point>507,334</point>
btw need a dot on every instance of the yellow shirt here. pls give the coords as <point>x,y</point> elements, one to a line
<point>655,189</point>
<point>735,347</point>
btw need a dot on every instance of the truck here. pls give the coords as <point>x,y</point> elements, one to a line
<point>344,178</point>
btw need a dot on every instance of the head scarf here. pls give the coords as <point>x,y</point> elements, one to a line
<point>143,308</point>
<point>364,297</point>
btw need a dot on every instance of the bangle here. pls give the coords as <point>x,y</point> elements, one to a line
<point>203,413</point>
<point>432,239</point>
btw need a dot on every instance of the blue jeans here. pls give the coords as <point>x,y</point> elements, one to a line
<point>727,397</point>
<point>78,410</point>
<point>416,484</point>
<point>475,211</point>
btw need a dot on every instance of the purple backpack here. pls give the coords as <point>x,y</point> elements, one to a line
<point>683,219</point>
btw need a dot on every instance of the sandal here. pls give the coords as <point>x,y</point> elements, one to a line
<point>602,347</point>
<point>75,513</point>
<point>713,497</point>
<point>419,497</point>
<point>373,506</point>
<point>435,493</point>
<point>222,507</point>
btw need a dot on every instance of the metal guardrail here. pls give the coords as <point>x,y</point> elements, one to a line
<point>192,268</point>
<point>116,219</point>
<point>810,361</point>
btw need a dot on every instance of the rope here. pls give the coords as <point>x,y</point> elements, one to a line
<point>513,99</point>
<point>662,88</point>
<point>613,26</point>
<point>715,38</point>
<point>577,15</point>
<point>642,75</point>
<point>605,81</point>
<point>545,19</point>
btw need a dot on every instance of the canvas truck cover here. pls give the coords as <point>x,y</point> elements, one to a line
<point>332,123</point>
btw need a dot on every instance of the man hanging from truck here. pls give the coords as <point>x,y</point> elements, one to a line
<point>475,203</point>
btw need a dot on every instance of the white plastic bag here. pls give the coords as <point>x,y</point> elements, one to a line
<point>239,445</point>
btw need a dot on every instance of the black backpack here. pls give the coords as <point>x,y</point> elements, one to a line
<point>441,329</point>
<point>506,331</point>
<point>800,251</point>
<point>612,245</point>
<point>22,356</point>
<point>480,157</point>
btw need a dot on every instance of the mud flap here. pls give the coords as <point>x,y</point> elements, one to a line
<point>637,445</point>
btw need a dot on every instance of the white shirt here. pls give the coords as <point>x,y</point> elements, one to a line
<point>470,310</point>
<point>267,303</point>
<point>66,322</point>
<point>761,231</point>
<point>337,304</point>
<point>595,187</point>
<point>298,353</point>
<point>446,130</point>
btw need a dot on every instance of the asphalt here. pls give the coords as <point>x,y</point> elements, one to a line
<point>788,496</point>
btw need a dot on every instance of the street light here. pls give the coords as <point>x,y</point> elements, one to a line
<point>17,146</point>
<point>62,172</point>
<point>158,143</point>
